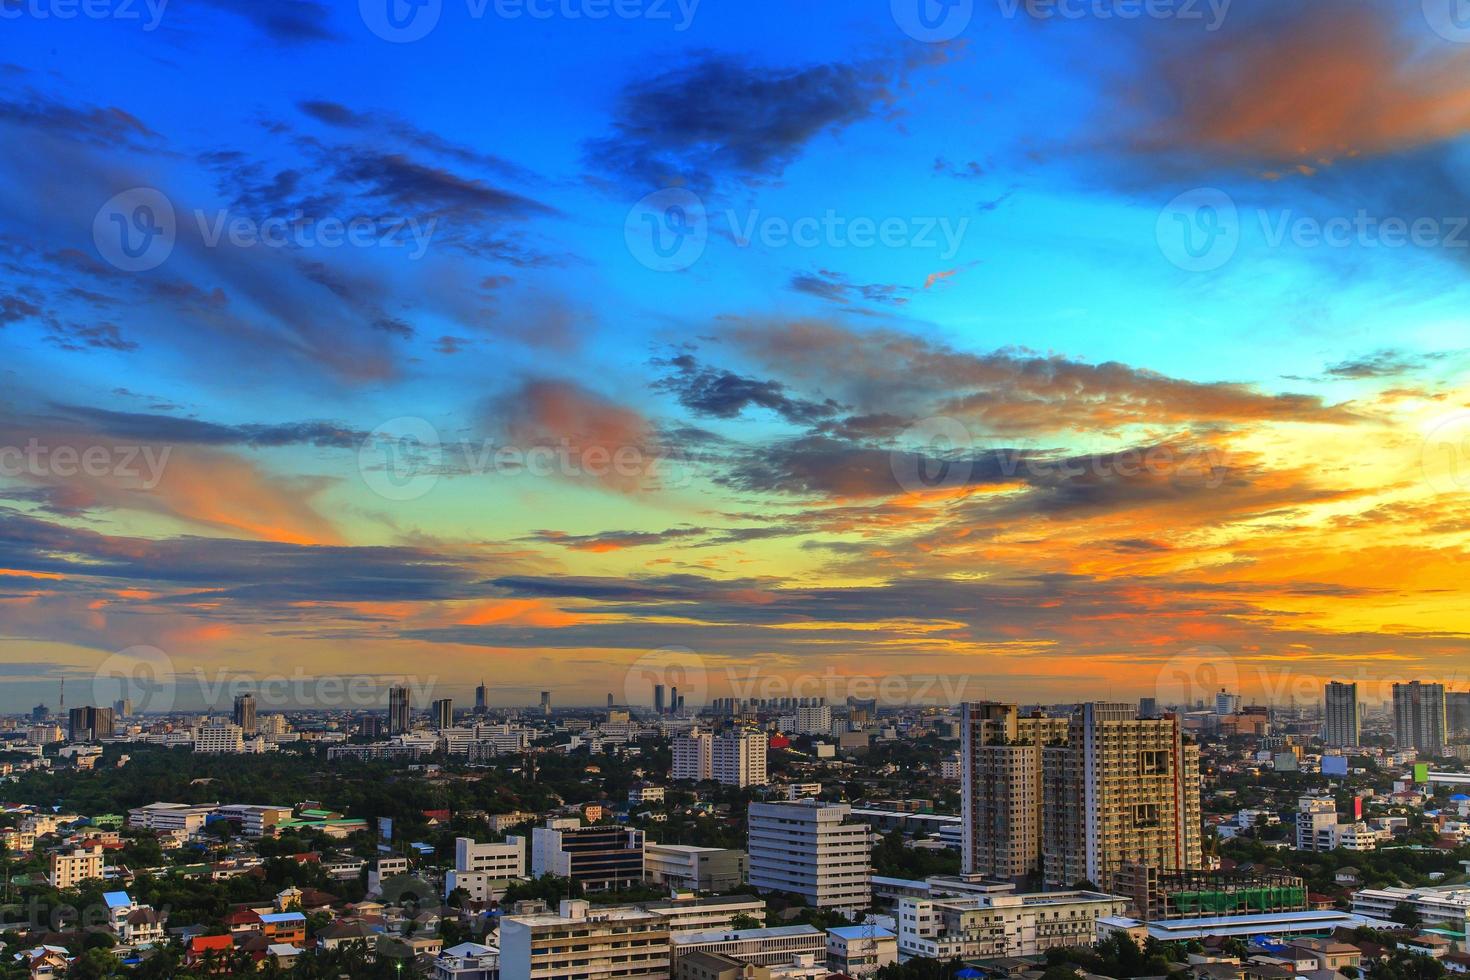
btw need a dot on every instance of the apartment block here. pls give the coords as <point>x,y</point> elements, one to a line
<point>1343,715</point>
<point>71,868</point>
<point>578,941</point>
<point>1123,789</point>
<point>811,849</point>
<point>736,758</point>
<point>1419,717</point>
<point>483,870</point>
<point>1001,793</point>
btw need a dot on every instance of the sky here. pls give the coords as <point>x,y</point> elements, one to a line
<point>906,349</point>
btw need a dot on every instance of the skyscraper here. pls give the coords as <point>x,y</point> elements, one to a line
<point>658,699</point>
<point>244,713</point>
<point>1419,717</point>
<point>1122,789</point>
<point>1343,715</point>
<point>400,711</point>
<point>442,712</point>
<point>546,702</point>
<point>1001,788</point>
<point>1227,703</point>
<point>480,693</point>
<point>1457,716</point>
<point>90,724</point>
<point>123,708</point>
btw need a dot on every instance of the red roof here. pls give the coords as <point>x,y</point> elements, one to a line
<point>203,944</point>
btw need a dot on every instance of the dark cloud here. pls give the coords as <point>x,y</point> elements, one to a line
<point>169,429</point>
<point>13,309</point>
<point>287,22</point>
<point>722,394</point>
<point>1382,364</point>
<point>837,288</point>
<point>89,336</point>
<point>718,117</point>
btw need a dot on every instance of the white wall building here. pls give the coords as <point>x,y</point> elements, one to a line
<point>1002,924</point>
<point>810,849</point>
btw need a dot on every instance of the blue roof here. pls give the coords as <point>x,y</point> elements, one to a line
<point>1460,798</point>
<point>116,900</point>
<point>283,917</point>
<point>860,932</point>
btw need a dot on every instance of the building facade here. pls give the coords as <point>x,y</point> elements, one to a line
<point>1342,715</point>
<point>811,849</point>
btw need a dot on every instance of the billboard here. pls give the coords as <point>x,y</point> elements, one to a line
<point>1334,765</point>
<point>1421,772</point>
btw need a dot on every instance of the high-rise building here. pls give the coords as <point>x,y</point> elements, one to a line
<point>609,700</point>
<point>1419,717</point>
<point>601,857</point>
<point>442,712</point>
<point>244,714</point>
<point>1001,788</point>
<point>658,699</point>
<point>734,758</point>
<point>1227,703</point>
<point>1457,716</point>
<point>810,849</point>
<point>89,724</point>
<point>546,702</point>
<point>815,719</point>
<point>1148,707</point>
<point>1121,790</point>
<point>480,695</point>
<point>122,708</point>
<point>1343,715</point>
<point>400,711</point>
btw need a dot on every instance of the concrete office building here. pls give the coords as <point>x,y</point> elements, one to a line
<point>1343,716</point>
<point>1002,923</point>
<point>810,849</point>
<point>691,868</point>
<point>600,857</point>
<point>591,944</point>
<point>484,870</point>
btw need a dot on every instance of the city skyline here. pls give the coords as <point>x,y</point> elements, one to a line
<point>1043,350</point>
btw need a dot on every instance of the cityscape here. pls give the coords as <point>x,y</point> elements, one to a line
<point>734,489</point>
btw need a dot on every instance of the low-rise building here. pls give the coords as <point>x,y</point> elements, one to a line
<point>860,951</point>
<point>1002,924</point>
<point>690,868</point>
<point>591,944</point>
<point>776,946</point>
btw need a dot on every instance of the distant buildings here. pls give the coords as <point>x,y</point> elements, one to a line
<point>90,724</point>
<point>400,711</point>
<point>441,713</point>
<point>1343,716</point>
<point>244,713</point>
<point>1419,717</point>
<point>810,849</point>
<point>1318,828</point>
